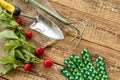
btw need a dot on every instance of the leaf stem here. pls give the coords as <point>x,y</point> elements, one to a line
<point>27,44</point>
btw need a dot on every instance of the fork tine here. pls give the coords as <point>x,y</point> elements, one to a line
<point>80,34</point>
<point>77,44</point>
<point>77,32</point>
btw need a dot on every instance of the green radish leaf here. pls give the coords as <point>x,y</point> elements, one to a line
<point>7,59</point>
<point>19,43</point>
<point>20,28</point>
<point>14,24</point>
<point>33,60</point>
<point>19,54</point>
<point>5,15</point>
<point>27,57</point>
<point>30,57</point>
<point>15,66</point>
<point>27,44</point>
<point>8,34</point>
<point>28,53</point>
<point>6,19</point>
<point>7,68</point>
<point>9,45</point>
<point>30,49</point>
<point>22,37</point>
<point>12,53</point>
<point>4,23</point>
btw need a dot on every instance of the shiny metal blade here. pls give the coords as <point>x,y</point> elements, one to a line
<point>47,27</point>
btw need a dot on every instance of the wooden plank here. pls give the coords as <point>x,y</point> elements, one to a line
<point>101,38</point>
<point>100,8</point>
<point>37,73</point>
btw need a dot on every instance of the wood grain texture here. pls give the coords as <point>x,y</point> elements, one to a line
<point>101,37</point>
<point>99,30</point>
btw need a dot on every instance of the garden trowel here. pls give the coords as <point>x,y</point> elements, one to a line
<point>47,27</point>
<point>41,24</point>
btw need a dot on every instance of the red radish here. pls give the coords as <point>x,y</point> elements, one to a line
<point>27,67</point>
<point>47,63</point>
<point>19,20</point>
<point>29,34</point>
<point>39,51</point>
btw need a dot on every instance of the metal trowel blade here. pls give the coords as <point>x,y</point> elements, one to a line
<point>47,27</point>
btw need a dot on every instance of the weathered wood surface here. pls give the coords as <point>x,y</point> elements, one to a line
<point>102,37</point>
